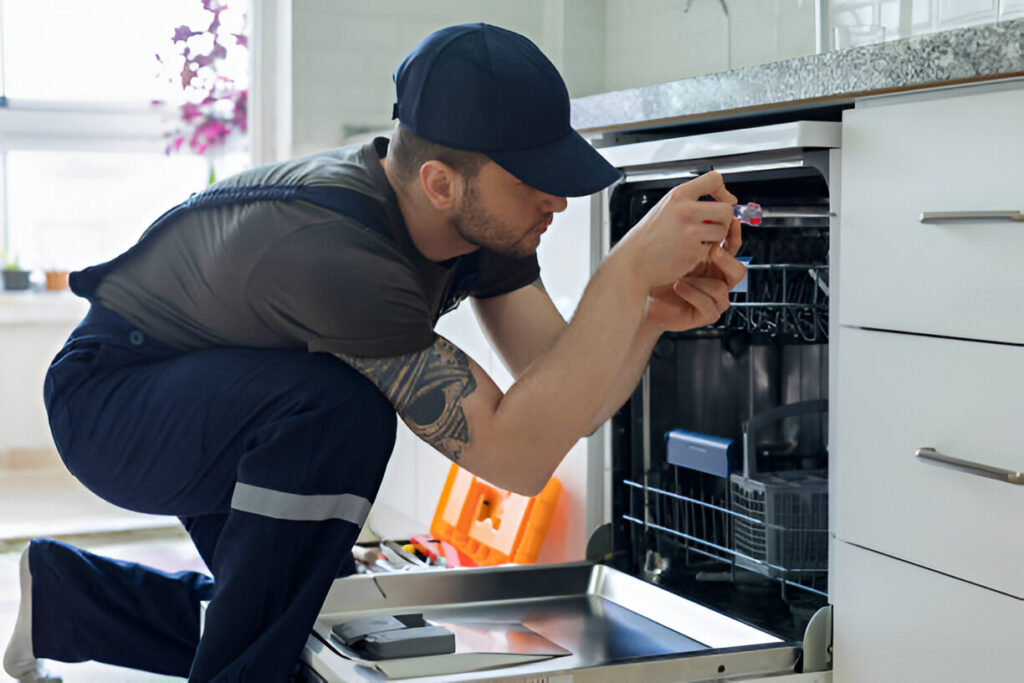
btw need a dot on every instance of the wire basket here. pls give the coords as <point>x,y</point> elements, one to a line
<point>781,300</point>
<point>780,528</point>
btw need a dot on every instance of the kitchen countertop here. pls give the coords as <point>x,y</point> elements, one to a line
<point>957,56</point>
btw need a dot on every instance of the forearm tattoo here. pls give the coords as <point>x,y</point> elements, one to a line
<point>426,388</point>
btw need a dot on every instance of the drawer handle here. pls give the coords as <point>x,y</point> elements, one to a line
<point>927,453</point>
<point>938,216</point>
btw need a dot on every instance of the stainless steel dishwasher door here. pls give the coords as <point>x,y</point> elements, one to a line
<point>615,627</point>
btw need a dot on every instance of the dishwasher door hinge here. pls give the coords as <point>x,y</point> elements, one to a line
<point>817,651</point>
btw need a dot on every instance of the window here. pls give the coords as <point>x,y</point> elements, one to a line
<point>68,209</point>
<point>83,168</point>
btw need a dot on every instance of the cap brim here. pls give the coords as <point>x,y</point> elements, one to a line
<point>569,167</point>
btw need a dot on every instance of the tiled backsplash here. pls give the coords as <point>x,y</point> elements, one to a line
<point>860,22</point>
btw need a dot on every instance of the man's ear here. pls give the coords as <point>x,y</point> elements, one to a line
<point>441,184</point>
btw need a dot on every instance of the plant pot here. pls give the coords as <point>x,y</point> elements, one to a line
<point>15,279</point>
<point>56,280</point>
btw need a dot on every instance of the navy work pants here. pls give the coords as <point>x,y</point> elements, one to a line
<point>270,458</point>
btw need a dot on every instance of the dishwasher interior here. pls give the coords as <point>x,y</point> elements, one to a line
<point>719,460</point>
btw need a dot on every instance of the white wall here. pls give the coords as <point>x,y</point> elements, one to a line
<point>33,327</point>
<point>346,50</point>
<point>654,41</point>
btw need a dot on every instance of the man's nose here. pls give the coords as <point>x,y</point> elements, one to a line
<point>552,203</point>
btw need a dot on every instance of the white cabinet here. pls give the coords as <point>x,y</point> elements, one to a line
<point>898,622</point>
<point>926,576</point>
<point>900,393</point>
<point>913,154</point>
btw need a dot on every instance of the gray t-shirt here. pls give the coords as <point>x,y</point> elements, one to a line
<point>292,274</point>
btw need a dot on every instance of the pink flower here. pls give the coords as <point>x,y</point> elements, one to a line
<point>183,33</point>
<point>241,113</point>
<point>174,145</point>
<point>187,74</point>
<point>208,134</point>
<point>216,106</point>
<point>190,112</point>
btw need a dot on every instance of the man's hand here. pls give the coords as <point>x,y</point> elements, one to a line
<point>674,239</point>
<point>695,300</point>
<point>701,296</point>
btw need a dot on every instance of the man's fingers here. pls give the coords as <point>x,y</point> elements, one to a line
<point>734,240</point>
<point>711,184</point>
<point>693,210</point>
<point>732,270</point>
<point>709,296</point>
<point>723,195</point>
<point>713,218</point>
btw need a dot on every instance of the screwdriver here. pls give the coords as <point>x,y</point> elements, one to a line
<point>749,213</point>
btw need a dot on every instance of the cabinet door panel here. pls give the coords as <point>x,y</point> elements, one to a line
<point>956,278</point>
<point>897,393</point>
<point>898,622</point>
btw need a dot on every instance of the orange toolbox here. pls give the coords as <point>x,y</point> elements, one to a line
<point>491,525</point>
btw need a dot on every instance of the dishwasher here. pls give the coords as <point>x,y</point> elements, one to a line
<point>711,561</point>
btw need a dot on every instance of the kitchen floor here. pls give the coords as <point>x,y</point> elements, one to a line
<point>49,502</point>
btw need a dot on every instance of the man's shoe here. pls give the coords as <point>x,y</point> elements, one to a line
<point>19,660</point>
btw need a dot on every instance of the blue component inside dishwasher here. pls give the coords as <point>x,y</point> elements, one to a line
<point>742,286</point>
<point>701,452</point>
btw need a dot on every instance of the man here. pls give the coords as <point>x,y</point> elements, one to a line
<point>242,365</point>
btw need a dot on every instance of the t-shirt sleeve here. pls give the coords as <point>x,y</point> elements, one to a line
<point>499,274</point>
<point>340,288</point>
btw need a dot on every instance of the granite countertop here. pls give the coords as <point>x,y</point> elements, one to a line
<point>962,55</point>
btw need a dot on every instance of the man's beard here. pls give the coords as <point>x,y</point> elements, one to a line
<point>482,229</point>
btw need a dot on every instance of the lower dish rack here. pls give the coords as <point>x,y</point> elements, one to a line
<point>770,523</point>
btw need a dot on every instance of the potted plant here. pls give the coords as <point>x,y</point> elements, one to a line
<point>56,279</point>
<point>14,277</point>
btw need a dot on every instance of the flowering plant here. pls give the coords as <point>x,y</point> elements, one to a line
<point>215,103</point>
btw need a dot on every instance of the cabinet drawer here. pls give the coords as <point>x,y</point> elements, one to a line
<point>897,622</point>
<point>897,393</point>
<point>956,278</point>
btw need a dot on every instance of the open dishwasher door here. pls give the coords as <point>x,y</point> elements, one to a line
<point>562,623</point>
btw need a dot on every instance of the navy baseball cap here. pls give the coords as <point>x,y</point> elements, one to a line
<point>485,89</point>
